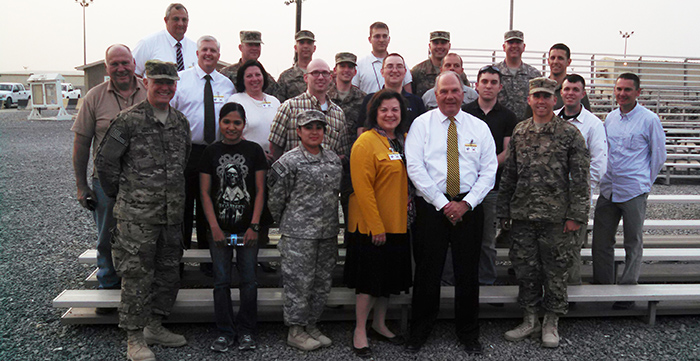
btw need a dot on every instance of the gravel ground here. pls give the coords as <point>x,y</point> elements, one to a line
<point>43,230</point>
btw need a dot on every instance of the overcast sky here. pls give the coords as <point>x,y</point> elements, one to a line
<point>46,35</point>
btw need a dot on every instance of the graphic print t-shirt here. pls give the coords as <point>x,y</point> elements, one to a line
<point>232,168</point>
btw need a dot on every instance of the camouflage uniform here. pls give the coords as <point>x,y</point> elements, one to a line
<point>544,183</point>
<point>141,161</point>
<point>351,107</point>
<point>304,201</point>
<point>231,72</point>
<point>291,83</point>
<point>516,87</point>
<point>424,74</point>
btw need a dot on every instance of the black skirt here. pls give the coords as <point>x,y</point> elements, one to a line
<point>378,271</point>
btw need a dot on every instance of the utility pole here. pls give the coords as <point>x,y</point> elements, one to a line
<point>511,15</point>
<point>84,4</point>
<point>298,23</point>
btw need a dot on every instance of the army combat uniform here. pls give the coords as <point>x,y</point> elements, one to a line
<point>290,84</point>
<point>141,162</point>
<point>545,182</point>
<point>516,87</point>
<point>303,200</point>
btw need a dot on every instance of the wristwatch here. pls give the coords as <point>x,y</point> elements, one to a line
<point>255,227</point>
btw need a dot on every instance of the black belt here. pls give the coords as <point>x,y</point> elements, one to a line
<point>456,198</point>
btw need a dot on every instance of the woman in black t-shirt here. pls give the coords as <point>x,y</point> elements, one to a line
<point>232,181</point>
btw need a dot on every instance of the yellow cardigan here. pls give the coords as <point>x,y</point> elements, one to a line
<point>380,197</point>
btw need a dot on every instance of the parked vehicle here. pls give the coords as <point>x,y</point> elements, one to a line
<point>10,93</point>
<point>69,92</point>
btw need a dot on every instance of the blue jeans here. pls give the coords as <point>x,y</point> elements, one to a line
<point>246,262</point>
<point>106,275</point>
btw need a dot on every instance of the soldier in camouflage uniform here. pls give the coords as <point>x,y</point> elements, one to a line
<point>544,190</point>
<point>250,47</point>
<point>141,162</point>
<point>291,82</point>
<point>304,186</point>
<point>515,74</point>
<point>425,72</point>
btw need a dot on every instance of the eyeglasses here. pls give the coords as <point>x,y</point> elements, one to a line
<point>489,67</point>
<point>392,67</point>
<point>318,73</point>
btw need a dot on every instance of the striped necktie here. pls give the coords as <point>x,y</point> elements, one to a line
<point>452,159</point>
<point>178,54</point>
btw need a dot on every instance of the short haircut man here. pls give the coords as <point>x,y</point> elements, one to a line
<point>591,127</point>
<point>425,72</point>
<point>393,72</point>
<point>141,162</point>
<point>515,74</point>
<point>250,47</point>
<point>283,135</point>
<point>291,82</point>
<point>501,122</point>
<point>636,154</point>
<point>451,159</point>
<point>170,44</point>
<point>200,82</point>
<point>559,59</point>
<point>451,62</point>
<point>100,105</point>
<point>544,194</point>
<point>369,78</point>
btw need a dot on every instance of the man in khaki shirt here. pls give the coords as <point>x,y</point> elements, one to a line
<point>102,104</point>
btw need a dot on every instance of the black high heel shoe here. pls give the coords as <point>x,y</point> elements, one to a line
<point>363,352</point>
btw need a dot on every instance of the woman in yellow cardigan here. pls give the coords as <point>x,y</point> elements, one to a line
<point>378,261</point>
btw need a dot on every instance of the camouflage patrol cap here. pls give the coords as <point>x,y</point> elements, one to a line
<point>251,36</point>
<point>345,58</point>
<point>440,35</point>
<point>311,116</point>
<point>304,34</point>
<point>542,84</point>
<point>513,35</point>
<point>157,69</point>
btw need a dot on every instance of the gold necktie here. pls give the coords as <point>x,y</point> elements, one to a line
<point>452,159</point>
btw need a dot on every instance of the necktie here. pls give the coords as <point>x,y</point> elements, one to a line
<point>209,121</point>
<point>452,159</point>
<point>178,54</point>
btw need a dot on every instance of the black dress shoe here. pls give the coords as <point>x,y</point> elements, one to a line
<point>396,340</point>
<point>362,352</point>
<point>413,345</point>
<point>472,347</point>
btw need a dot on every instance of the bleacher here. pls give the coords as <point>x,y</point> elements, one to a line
<point>666,293</point>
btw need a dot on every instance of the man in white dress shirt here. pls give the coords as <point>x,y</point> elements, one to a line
<point>202,112</point>
<point>451,159</point>
<point>369,69</point>
<point>573,89</point>
<point>163,45</point>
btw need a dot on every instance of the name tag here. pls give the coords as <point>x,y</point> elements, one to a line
<point>219,99</point>
<point>266,104</point>
<point>394,156</point>
<point>471,148</point>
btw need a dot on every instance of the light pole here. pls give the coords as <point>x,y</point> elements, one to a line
<point>84,4</point>
<point>511,15</point>
<point>626,36</point>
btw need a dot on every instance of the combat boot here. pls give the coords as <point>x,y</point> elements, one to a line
<point>298,338</point>
<point>155,333</point>
<point>316,334</point>
<point>136,348</point>
<point>550,332</point>
<point>530,327</point>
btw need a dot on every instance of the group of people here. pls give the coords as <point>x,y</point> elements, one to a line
<point>426,170</point>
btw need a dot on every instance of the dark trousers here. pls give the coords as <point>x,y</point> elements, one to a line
<point>434,233</point>
<point>192,195</point>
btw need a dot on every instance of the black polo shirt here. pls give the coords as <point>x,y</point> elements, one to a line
<point>500,120</point>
